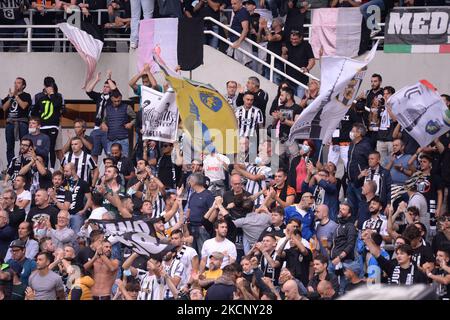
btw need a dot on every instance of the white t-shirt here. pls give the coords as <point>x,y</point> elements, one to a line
<point>213,166</point>
<point>25,195</point>
<point>212,245</point>
<point>185,255</point>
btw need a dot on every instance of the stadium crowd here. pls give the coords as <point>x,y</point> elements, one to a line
<point>289,221</point>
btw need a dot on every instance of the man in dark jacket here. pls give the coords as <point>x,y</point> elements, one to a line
<point>261,97</point>
<point>225,286</point>
<point>381,176</point>
<point>343,244</point>
<point>358,154</point>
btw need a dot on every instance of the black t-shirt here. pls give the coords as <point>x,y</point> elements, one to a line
<point>289,113</point>
<point>125,166</point>
<point>422,254</point>
<point>15,111</point>
<point>49,211</point>
<point>299,55</point>
<point>15,165</point>
<point>411,145</point>
<point>168,172</point>
<point>268,271</point>
<point>276,231</point>
<point>239,16</point>
<point>207,11</point>
<point>48,108</point>
<point>399,276</point>
<point>433,183</point>
<point>16,217</point>
<point>230,197</point>
<point>254,24</point>
<point>442,290</point>
<point>12,11</point>
<point>78,189</point>
<point>297,263</point>
<point>294,21</point>
<point>342,133</point>
<point>84,255</point>
<point>275,46</point>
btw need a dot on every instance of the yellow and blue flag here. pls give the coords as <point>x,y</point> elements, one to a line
<point>206,116</point>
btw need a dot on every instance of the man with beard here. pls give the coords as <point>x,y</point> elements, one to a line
<point>432,189</point>
<point>398,164</point>
<point>16,215</point>
<point>19,162</point>
<point>59,196</point>
<point>175,272</point>
<point>104,271</point>
<point>112,187</point>
<point>401,271</point>
<point>187,255</point>
<point>41,212</point>
<point>320,268</point>
<point>124,164</point>
<point>85,166</point>
<point>44,284</point>
<point>23,196</point>
<point>219,243</point>
<point>344,240</point>
<point>79,190</point>
<point>377,222</point>
<point>285,114</point>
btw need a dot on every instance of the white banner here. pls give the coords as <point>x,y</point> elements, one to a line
<point>421,112</point>
<point>340,81</point>
<point>159,115</point>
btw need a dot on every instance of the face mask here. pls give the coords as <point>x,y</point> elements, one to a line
<point>352,136</point>
<point>32,130</point>
<point>258,161</point>
<point>248,272</point>
<point>305,148</point>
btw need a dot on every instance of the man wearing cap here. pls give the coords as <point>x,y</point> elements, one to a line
<point>18,256</point>
<point>351,273</point>
<point>214,271</point>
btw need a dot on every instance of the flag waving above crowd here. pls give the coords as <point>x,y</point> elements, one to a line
<point>340,81</point>
<point>87,47</point>
<point>420,110</point>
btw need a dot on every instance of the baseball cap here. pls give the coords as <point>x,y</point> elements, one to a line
<point>354,266</point>
<point>216,255</point>
<point>249,2</point>
<point>17,244</point>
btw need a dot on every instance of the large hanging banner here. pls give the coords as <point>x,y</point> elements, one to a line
<point>159,115</point>
<point>418,30</point>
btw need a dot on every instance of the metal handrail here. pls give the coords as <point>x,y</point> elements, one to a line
<point>260,47</point>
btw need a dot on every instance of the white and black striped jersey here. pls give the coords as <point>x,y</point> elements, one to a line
<point>151,287</point>
<point>248,120</point>
<point>158,205</point>
<point>169,224</point>
<point>63,195</point>
<point>254,187</point>
<point>175,269</point>
<point>84,164</point>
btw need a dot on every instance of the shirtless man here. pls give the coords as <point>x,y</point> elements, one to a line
<point>104,271</point>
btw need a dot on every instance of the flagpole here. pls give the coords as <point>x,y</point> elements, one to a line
<point>320,152</point>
